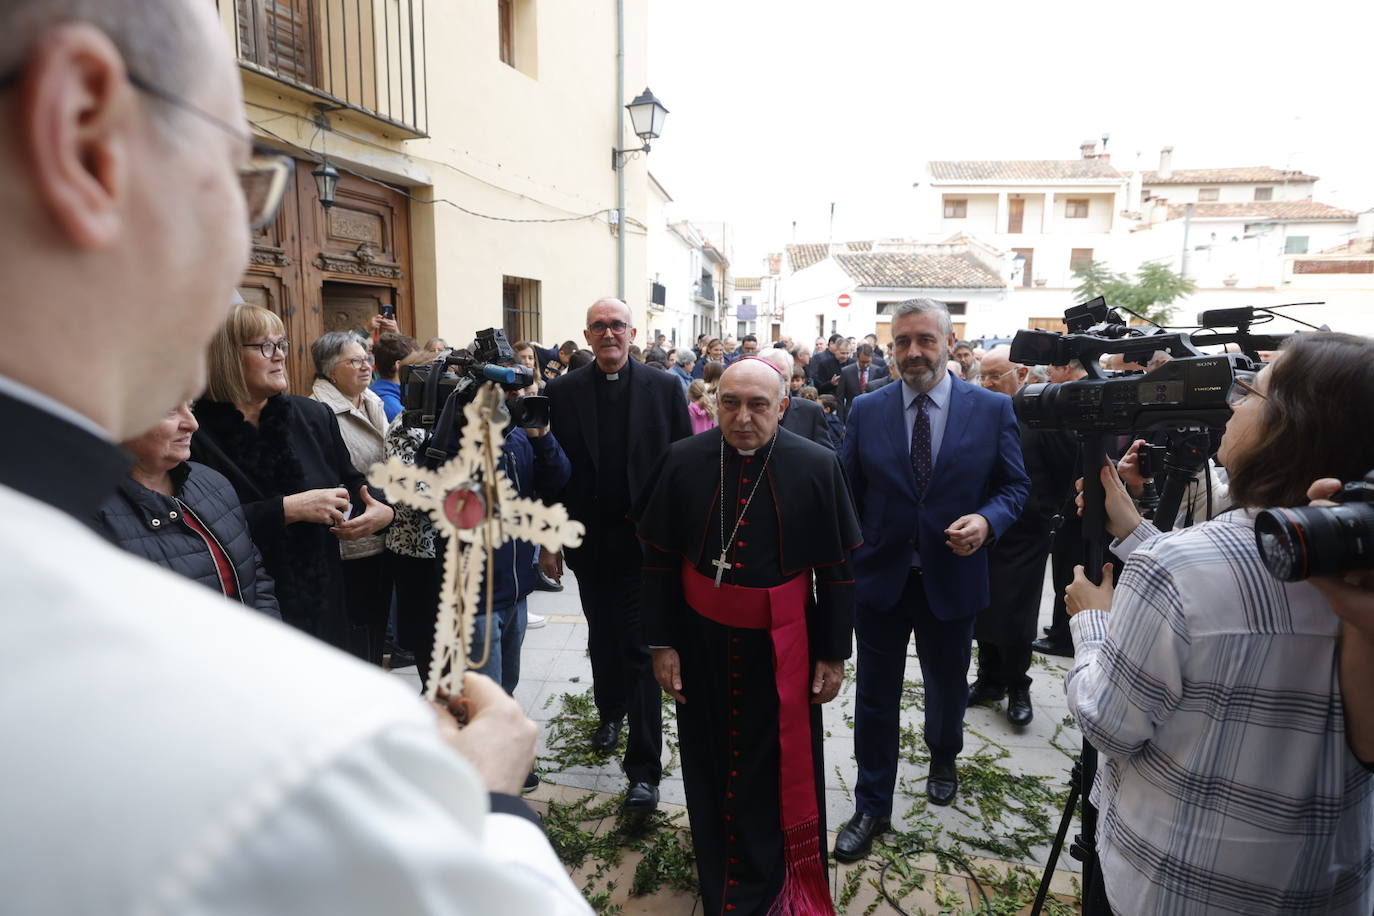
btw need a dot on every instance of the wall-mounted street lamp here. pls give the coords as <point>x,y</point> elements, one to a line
<point>647,114</point>
<point>326,182</point>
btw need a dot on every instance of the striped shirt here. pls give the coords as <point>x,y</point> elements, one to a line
<point>1210,690</point>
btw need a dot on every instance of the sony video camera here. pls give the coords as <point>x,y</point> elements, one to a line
<point>1320,540</point>
<point>435,394</point>
<point>1188,390</point>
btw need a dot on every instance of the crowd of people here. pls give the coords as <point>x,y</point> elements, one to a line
<point>204,742</point>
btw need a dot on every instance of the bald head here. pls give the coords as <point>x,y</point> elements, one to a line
<point>610,331</point>
<point>751,398</point>
<point>780,358</point>
<point>999,373</point>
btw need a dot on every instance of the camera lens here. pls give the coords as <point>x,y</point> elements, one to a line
<point>1316,540</point>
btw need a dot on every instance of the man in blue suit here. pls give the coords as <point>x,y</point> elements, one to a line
<point>938,476</point>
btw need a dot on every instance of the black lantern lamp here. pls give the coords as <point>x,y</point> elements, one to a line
<point>647,115</point>
<point>326,182</point>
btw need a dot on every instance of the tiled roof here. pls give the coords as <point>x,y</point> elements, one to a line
<point>859,246</point>
<point>1266,210</point>
<point>1354,246</point>
<point>1023,170</point>
<point>918,271</point>
<point>1257,174</point>
<point>803,256</point>
<point>748,283</point>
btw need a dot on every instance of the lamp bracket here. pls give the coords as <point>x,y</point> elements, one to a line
<point>621,156</point>
<point>322,110</point>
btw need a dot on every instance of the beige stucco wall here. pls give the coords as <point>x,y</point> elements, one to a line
<point>503,143</point>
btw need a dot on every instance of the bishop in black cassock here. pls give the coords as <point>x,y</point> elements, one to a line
<point>750,727</point>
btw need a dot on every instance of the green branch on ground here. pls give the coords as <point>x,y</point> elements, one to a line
<point>1001,813</point>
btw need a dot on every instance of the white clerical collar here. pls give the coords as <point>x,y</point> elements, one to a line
<point>614,376</point>
<point>747,453</point>
<point>35,398</point>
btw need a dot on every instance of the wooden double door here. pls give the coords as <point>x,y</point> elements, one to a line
<point>332,270</point>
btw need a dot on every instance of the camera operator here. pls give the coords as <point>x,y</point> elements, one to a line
<point>1210,688</point>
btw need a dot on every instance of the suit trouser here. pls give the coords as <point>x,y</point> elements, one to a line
<point>943,648</point>
<point>1065,555</point>
<point>608,580</point>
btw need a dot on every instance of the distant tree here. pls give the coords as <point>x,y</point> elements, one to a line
<point>1150,293</point>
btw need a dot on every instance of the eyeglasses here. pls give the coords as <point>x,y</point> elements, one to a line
<point>357,362</point>
<point>1240,390</point>
<point>269,348</point>
<point>601,327</point>
<point>1001,375</point>
<point>264,179</point>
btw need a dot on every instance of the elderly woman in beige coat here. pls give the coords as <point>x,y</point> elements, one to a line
<point>343,371</point>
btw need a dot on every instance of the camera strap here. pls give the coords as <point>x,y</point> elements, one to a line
<point>430,400</point>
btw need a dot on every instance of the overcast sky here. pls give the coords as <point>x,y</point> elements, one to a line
<point>779,107</point>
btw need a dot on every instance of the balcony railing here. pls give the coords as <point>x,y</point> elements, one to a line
<point>366,55</point>
<point>706,289</point>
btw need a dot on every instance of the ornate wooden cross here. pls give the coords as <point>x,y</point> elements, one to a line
<point>476,508</point>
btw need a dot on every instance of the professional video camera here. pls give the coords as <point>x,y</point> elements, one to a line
<point>1320,540</point>
<point>1188,390</point>
<point>436,393</point>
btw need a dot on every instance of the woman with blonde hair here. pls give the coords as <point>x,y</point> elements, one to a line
<point>289,466</point>
<point>701,407</point>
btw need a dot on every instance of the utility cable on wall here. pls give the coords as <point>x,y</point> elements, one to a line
<point>311,154</point>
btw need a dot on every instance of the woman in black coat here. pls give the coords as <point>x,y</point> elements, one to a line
<point>186,517</point>
<point>288,463</point>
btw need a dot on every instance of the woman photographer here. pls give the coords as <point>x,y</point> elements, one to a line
<point>288,463</point>
<point>1211,688</point>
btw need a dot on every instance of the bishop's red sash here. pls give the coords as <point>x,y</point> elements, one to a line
<point>782,612</point>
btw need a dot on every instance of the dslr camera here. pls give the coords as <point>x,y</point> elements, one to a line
<point>1320,540</point>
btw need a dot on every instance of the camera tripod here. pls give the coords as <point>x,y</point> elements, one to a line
<point>1187,454</point>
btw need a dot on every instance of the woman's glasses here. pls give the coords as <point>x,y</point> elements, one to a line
<point>269,348</point>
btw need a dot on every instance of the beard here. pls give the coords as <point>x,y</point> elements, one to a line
<point>921,374</point>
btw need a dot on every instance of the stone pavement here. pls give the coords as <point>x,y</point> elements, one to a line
<point>554,662</point>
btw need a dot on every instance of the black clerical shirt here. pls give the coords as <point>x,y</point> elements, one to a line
<point>613,440</point>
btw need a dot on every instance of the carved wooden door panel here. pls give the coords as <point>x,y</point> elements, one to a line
<point>311,265</point>
<point>359,252</point>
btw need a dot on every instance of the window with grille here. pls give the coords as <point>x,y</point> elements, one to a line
<point>1076,208</point>
<point>956,208</point>
<point>1264,193</point>
<point>520,307</point>
<point>1207,195</point>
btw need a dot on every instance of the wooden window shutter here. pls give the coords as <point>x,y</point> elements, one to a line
<point>280,36</point>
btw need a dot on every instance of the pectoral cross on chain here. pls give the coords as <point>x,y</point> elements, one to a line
<point>721,566</point>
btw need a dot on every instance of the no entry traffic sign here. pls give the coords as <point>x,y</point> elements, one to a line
<point>844,300</point>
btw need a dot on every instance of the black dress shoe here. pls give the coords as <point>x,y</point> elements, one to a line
<point>983,693</point>
<point>1019,710</point>
<point>607,735</point>
<point>856,839</point>
<point>543,583</point>
<point>942,784</point>
<point>642,798</point>
<point>1048,646</point>
<point>531,782</point>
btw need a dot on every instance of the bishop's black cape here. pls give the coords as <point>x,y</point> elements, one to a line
<point>801,519</point>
